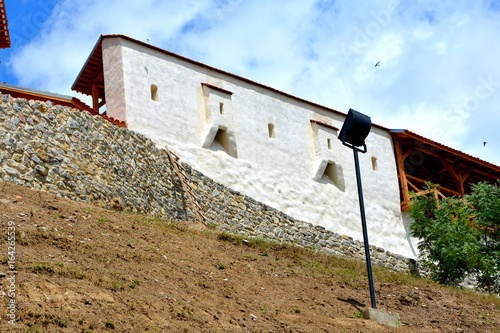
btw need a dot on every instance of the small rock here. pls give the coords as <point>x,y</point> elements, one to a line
<point>11,171</point>
<point>73,124</point>
<point>41,170</point>
<point>21,117</point>
<point>382,317</point>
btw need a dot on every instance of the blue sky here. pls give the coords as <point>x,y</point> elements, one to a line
<point>439,72</point>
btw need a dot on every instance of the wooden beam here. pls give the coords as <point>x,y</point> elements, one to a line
<point>441,188</point>
<point>486,174</point>
<point>461,179</point>
<point>403,183</point>
<point>449,168</point>
<point>467,174</point>
<point>454,173</point>
<point>432,190</point>
<point>95,97</point>
<point>426,151</point>
<point>99,78</point>
<point>413,186</point>
<point>407,153</point>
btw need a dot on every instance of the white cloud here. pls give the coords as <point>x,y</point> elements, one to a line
<point>53,60</point>
<point>438,73</point>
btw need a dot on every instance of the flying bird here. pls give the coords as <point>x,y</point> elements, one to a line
<point>377,64</point>
<point>484,143</point>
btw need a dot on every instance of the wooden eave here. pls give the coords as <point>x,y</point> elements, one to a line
<point>31,94</point>
<point>420,160</point>
<point>90,80</point>
<point>73,102</point>
<point>4,27</point>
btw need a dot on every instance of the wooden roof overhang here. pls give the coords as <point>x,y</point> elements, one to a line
<point>420,160</point>
<point>32,94</point>
<point>90,80</point>
<point>73,102</point>
<point>4,27</point>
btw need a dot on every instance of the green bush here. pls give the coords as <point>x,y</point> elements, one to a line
<point>460,236</point>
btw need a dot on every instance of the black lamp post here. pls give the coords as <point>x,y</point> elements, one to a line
<point>353,133</point>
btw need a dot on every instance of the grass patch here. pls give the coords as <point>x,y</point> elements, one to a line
<point>174,226</point>
<point>117,286</point>
<point>72,272</point>
<point>42,268</point>
<point>250,257</point>
<point>110,325</point>
<point>62,323</point>
<point>230,238</point>
<point>101,221</point>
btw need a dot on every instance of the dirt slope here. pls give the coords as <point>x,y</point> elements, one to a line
<point>81,268</point>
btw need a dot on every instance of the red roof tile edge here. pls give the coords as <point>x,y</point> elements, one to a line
<point>84,107</point>
<point>73,102</point>
<point>4,27</point>
<point>324,124</point>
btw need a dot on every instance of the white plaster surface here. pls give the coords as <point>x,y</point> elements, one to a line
<point>277,171</point>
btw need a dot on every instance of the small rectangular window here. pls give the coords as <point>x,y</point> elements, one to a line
<point>154,92</point>
<point>270,128</point>
<point>374,164</point>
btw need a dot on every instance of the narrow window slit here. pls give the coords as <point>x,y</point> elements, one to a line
<point>270,128</point>
<point>154,92</point>
<point>374,164</point>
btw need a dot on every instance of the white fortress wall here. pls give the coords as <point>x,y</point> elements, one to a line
<point>258,142</point>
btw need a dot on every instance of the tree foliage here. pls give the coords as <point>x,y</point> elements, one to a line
<point>460,236</point>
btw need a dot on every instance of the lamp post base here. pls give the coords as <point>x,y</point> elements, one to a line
<point>382,317</point>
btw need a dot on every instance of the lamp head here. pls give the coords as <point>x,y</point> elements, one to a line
<point>355,129</point>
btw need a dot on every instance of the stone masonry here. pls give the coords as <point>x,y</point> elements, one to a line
<point>82,157</point>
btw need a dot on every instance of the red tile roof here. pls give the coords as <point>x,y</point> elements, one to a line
<point>324,124</point>
<point>4,27</point>
<point>73,102</point>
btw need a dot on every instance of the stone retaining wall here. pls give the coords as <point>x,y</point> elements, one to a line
<point>233,212</point>
<point>83,157</point>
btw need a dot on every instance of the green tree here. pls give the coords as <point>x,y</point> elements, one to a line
<point>460,236</point>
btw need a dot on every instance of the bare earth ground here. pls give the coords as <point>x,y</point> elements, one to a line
<point>81,268</point>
